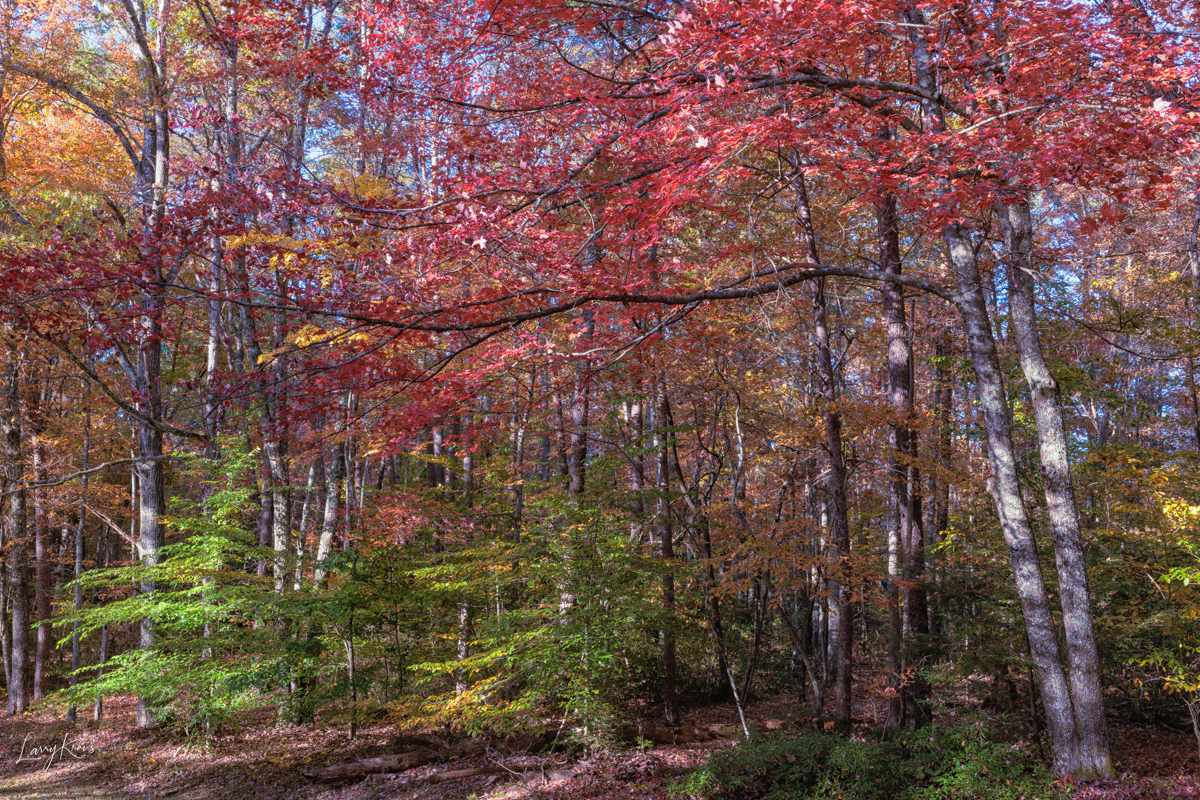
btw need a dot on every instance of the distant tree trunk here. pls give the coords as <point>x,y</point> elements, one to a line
<point>464,646</point>
<point>439,469</point>
<point>431,475</point>
<point>333,497</point>
<point>1083,668</point>
<point>578,450</point>
<point>468,459</point>
<point>520,425</point>
<point>939,478</point>
<point>98,706</point>
<point>18,564</point>
<point>713,605</point>
<point>635,422</point>
<point>5,620</point>
<point>666,539</point>
<point>79,542</point>
<point>301,540</point>
<point>1189,365</point>
<point>835,481</point>
<point>801,639</point>
<point>42,561</point>
<point>266,517</point>
<point>1193,251</point>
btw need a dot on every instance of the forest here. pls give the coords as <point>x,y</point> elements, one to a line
<point>600,398</point>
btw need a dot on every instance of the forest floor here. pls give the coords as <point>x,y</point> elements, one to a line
<point>43,758</point>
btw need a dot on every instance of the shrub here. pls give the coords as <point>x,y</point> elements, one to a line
<point>954,764</point>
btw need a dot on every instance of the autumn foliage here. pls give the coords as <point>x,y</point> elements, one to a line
<point>491,364</point>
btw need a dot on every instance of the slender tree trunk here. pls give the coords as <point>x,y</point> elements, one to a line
<point>835,482</point>
<point>301,543</point>
<point>79,542</point>
<point>1083,668</point>
<point>520,426</point>
<point>42,569</point>
<point>801,640</point>
<point>439,469</point>
<point>666,535</point>
<point>333,498</point>
<point>468,459</point>
<point>18,563</point>
<point>578,450</point>
<point>1193,251</point>
<point>266,517</point>
<point>464,646</point>
<point>899,371</point>
<point>5,618</point>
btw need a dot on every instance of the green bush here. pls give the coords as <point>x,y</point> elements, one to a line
<point>955,764</point>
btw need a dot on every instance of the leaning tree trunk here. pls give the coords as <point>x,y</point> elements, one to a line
<point>1082,660</point>
<point>1010,506</point>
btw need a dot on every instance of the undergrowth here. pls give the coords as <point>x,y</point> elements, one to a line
<point>960,763</point>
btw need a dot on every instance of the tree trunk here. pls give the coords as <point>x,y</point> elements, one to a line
<point>42,569</point>
<point>899,370</point>
<point>939,478</point>
<point>18,565</point>
<point>1083,668</point>
<point>301,541</point>
<point>79,542</point>
<point>1010,506</point>
<point>666,539</point>
<point>835,481</point>
<point>333,497</point>
<point>464,645</point>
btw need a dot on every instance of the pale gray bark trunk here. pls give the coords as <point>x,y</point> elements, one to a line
<point>439,469</point>
<point>1010,506</point>
<point>334,475</point>
<point>41,558</point>
<point>464,645</point>
<point>577,452</point>
<point>468,459</point>
<point>301,541</point>
<point>899,368</point>
<point>1074,596</point>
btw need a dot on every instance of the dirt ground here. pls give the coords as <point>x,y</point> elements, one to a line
<point>43,758</point>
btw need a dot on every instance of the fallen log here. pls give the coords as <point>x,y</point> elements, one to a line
<point>396,762</point>
<point>456,774</point>
<point>656,734</point>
